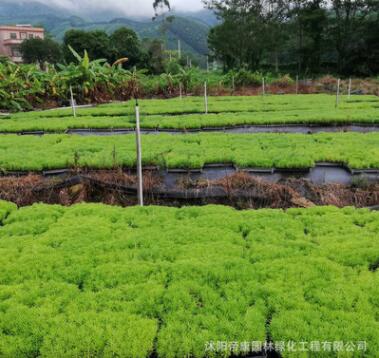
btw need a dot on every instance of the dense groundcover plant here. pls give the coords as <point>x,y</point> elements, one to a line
<point>188,113</point>
<point>267,150</point>
<point>100,281</point>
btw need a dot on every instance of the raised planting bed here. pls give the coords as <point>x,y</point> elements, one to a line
<point>219,104</point>
<point>195,151</point>
<point>238,129</point>
<point>250,114</point>
<point>96,280</point>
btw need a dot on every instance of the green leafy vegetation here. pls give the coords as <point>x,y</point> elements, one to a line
<point>101,281</point>
<point>224,111</point>
<point>5,209</point>
<point>189,151</point>
<point>313,36</point>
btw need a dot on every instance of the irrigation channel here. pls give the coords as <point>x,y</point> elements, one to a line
<point>289,128</point>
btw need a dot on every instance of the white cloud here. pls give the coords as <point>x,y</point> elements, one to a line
<point>124,7</point>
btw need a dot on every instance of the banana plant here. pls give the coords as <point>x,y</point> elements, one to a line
<point>185,77</point>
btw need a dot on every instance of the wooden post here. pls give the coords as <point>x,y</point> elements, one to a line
<point>263,86</point>
<point>207,63</point>
<point>206,97</point>
<point>349,89</point>
<point>338,92</point>
<point>72,102</point>
<point>180,90</point>
<point>297,84</point>
<point>139,157</point>
<point>233,84</point>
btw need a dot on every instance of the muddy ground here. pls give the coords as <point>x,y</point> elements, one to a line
<point>239,190</point>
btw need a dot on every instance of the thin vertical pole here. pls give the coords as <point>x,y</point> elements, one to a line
<point>338,92</point>
<point>207,63</point>
<point>190,63</point>
<point>233,84</point>
<point>263,86</point>
<point>180,90</point>
<point>139,157</point>
<point>349,90</point>
<point>72,102</point>
<point>206,97</point>
<point>297,84</point>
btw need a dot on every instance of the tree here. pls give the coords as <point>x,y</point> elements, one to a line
<point>348,29</point>
<point>97,43</point>
<point>39,51</point>
<point>154,55</point>
<point>125,43</point>
<point>160,3</point>
<point>308,23</point>
<point>250,29</point>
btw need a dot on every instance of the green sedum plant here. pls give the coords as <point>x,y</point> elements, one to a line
<point>101,281</point>
<point>266,150</point>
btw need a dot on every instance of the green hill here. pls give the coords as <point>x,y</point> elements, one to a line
<point>191,29</point>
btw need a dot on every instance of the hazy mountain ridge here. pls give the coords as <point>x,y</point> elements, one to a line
<point>191,28</point>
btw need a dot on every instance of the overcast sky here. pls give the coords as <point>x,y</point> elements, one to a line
<point>125,7</point>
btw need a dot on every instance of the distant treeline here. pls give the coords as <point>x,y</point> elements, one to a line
<point>298,36</point>
<point>303,37</point>
<point>123,43</point>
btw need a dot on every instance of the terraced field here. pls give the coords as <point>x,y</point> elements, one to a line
<point>189,151</point>
<point>100,281</point>
<point>188,113</point>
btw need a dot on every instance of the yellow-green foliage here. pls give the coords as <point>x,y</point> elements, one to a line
<point>100,281</point>
<point>189,113</point>
<point>189,151</point>
<point>5,209</point>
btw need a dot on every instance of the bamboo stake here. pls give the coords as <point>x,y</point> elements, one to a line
<point>139,157</point>
<point>263,86</point>
<point>349,90</point>
<point>297,84</point>
<point>206,97</point>
<point>338,92</point>
<point>72,102</point>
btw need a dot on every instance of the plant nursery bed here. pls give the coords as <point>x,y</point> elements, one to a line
<point>173,282</point>
<point>284,114</point>
<point>189,152</point>
<point>239,129</point>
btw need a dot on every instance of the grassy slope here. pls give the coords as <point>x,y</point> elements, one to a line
<point>95,280</point>
<point>190,151</point>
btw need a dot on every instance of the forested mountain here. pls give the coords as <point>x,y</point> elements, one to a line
<point>191,28</point>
